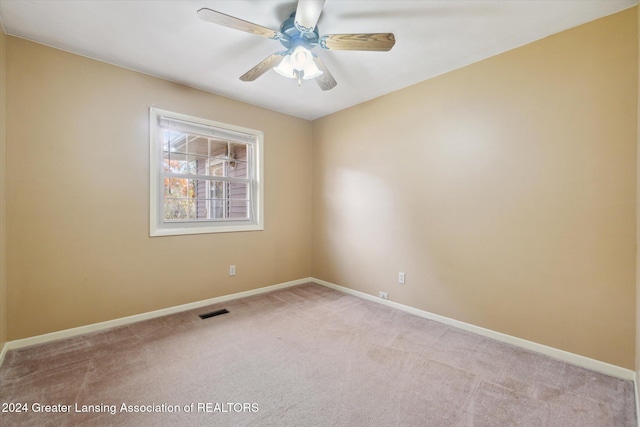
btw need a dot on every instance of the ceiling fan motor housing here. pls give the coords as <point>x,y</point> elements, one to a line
<point>292,37</point>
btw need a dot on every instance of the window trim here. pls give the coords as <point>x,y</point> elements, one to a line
<point>157,225</point>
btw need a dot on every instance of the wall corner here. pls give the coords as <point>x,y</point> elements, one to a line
<point>637,325</point>
<point>3,258</point>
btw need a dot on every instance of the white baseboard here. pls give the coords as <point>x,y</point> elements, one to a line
<point>3,353</point>
<point>574,359</point>
<point>67,333</point>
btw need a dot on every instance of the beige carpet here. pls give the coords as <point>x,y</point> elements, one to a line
<point>303,356</point>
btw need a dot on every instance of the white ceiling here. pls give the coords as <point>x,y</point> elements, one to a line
<point>167,39</point>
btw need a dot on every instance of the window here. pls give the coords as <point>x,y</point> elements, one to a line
<point>206,177</point>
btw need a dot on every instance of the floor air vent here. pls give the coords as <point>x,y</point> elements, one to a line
<point>213,313</point>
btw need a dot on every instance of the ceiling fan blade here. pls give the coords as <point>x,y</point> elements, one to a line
<point>324,80</point>
<point>236,23</point>
<point>307,14</point>
<point>378,41</point>
<point>264,66</point>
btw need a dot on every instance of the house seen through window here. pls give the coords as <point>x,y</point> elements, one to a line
<point>207,178</point>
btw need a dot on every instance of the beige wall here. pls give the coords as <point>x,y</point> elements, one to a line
<point>78,240</point>
<point>505,190</point>
<point>637,366</point>
<point>3,264</point>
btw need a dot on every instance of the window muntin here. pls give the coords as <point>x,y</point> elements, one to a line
<point>205,176</point>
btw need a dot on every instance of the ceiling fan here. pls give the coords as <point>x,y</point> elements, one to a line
<point>299,34</point>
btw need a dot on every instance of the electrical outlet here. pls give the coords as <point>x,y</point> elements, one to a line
<point>401,278</point>
<point>232,270</point>
<point>383,295</point>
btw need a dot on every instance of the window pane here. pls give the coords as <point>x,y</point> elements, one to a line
<point>175,209</point>
<point>217,168</point>
<point>176,187</point>
<point>238,151</point>
<point>218,148</point>
<point>198,145</point>
<point>172,139</point>
<point>190,166</point>
<point>238,190</point>
<point>192,209</point>
<point>237,169</point>
<point>201,193</point>
<point>217,209</point>
<point>197,165</point>
<point>238,209</point>
<point>217,190</point>
<point>192,189</point>
<point>175,162</point>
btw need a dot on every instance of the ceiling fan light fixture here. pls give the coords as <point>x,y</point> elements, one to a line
<point>301,57</point>
<point>298,65</point>
<point>285,68</point>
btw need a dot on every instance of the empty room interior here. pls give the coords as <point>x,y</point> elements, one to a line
<point>433,220</point>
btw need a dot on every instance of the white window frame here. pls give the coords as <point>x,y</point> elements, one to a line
<point>160,227</point>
